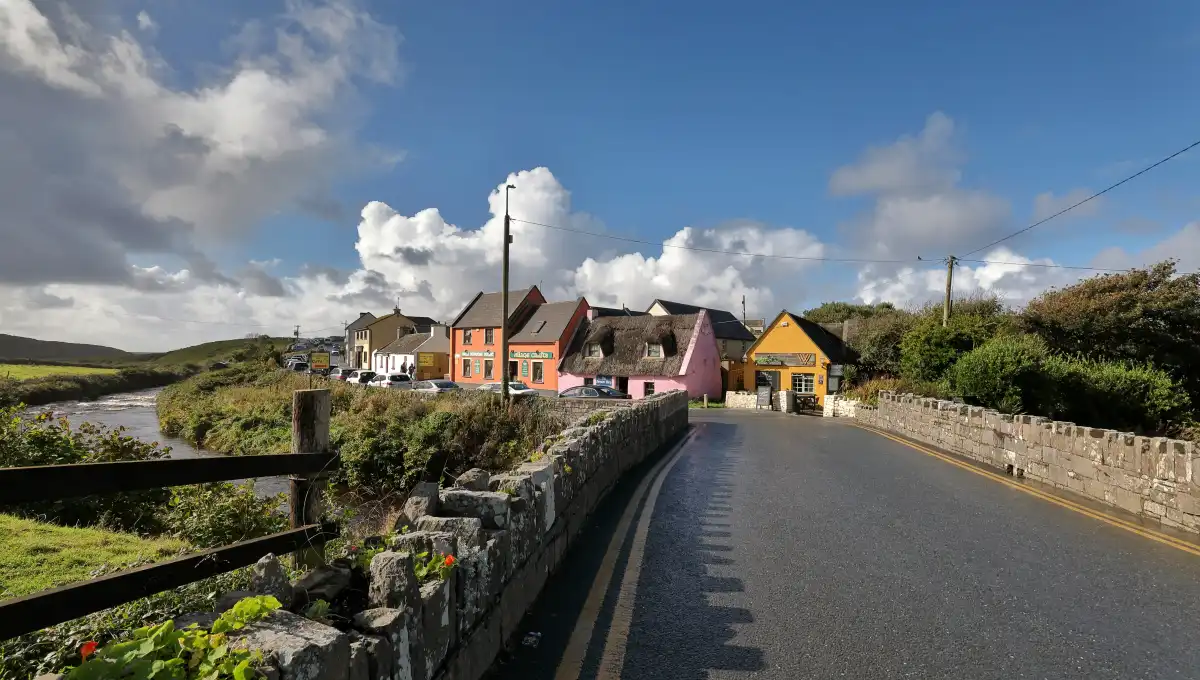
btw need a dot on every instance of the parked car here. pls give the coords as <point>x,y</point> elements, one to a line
<point>438,385</point>
<point>592,392</point>
<point>517,389</point>
<point>395,381</point>
<point>360,377</point>
<point>340,373</point>
<point>298,366</point>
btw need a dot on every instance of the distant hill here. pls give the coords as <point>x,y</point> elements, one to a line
<point>17,347</point>
<point>220,350</point>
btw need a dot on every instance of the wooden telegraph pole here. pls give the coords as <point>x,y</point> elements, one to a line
<point>504,377</point>
<point>946,304</point>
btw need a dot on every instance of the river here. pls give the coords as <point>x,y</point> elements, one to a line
<point>135,411</point>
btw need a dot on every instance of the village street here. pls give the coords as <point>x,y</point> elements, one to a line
<point>799,547</point>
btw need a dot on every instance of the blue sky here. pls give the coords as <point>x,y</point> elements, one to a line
<point>944,121</point>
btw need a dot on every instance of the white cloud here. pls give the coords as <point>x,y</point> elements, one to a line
<point>1047,204</point>
<point>922,164</point>
<point>1183,245</point>
<point>145,22</point>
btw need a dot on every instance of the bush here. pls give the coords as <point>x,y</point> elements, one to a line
<point>930,349</point>
<point>1116,395</point>
<point>38,391</point>
<point>868,392</point>
<point>1005,373</point>
<point>217,514</point>
<point>877,341</point>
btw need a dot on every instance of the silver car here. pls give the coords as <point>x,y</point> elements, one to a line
<point>435,386</point>
<point>393,381</point>
<point>516,389</point>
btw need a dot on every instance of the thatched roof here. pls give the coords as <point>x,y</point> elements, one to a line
<point>623,340</point>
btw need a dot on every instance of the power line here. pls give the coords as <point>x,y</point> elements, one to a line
<point>714,250</point>
<point>1042,264</point>
<point>1143,171</point>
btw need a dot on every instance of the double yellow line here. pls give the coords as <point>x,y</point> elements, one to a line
<point>1142,531</point>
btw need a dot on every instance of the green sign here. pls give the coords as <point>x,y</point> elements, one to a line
<point>477,372</point>
<point>807,359</point>
<point>530,355</point>
<point>525,368</point>
<point>478,353</point>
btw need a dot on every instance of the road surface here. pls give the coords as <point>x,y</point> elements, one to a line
<point>799,547</point>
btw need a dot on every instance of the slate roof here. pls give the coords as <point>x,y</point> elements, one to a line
<point>548,323</point>
<point>406,344</point>
<point>422,320</point>
<point>366,319</point>
<point>613,311</point>
<point>726,326</point>
<point>831,345</point>
<point>485,310</point>
<point>623,341</point>
<point>437,342</point>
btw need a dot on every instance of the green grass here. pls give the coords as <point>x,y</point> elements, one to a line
<point>699,403</point>
<point>27,371</point>
<point>35,556</point>
<point>219,350</point>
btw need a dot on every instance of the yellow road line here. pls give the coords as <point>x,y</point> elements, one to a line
<point>1070,505</point>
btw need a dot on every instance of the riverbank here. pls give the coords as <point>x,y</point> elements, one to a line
<point>60,387</point>
<point>387,438</point>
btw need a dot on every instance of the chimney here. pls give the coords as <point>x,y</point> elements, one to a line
<point>591,314</point>
<point>362,314</point>
<point>396,310</point>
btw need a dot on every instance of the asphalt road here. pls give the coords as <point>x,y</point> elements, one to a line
<point>797,547</point>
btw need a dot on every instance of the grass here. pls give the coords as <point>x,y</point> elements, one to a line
<point>220,350</point>
<point>36,556</point>
<point>28,371</point>
<point>699,403</point>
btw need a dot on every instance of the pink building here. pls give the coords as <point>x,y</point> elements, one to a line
<point>643,354</point>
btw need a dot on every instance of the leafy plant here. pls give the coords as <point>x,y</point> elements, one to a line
<point>1006,373</point>
<point>433,566</point>
<point>164,652</point>
<point>317,611</point>
<point>211,515</point>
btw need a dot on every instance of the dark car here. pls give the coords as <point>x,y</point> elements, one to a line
<point>592,392</point>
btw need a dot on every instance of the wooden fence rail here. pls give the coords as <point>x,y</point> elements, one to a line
<point>307,465</point>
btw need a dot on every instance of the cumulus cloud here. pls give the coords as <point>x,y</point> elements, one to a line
<point>1047,204</point>
<point>1182,245</point>
<point>108,159</point>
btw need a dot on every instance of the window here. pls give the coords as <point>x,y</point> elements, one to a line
<point>467,336</point>
<point>592,350</point>
<point>653,350</point>
<point>803,383</point>
<point>489,336</point>
<point>590,392</point>
<point>487,369</point>
<point>466,369</point>
<point>647,389</point>
<point>537,372</point>
<point>589,381</point>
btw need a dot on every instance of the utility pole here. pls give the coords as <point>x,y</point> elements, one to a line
<point>504,289</point>
<point>743,309</point>
<point>946,304</point>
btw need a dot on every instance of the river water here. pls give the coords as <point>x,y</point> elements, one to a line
<point>135,411</point>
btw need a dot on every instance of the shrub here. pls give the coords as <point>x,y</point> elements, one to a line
<point>836,312</point>
<point>877,341</point>
<point>217,514</point>
<point>1117,395</point>
<point>1005,373</point>
<point>868,392</point>
<point>930,349</point>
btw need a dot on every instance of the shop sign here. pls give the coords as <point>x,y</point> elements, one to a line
<point>604,380</point>
<point>478,353</point>
<point>789,359</point>
<point>530,355</point>
<point>424,359</point>
<point>525,368</point>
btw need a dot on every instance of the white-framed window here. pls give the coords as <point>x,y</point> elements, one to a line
<point>654,350</point>
<point>803,383</point>
<point>467,336</point>
<point>592,350</point>
<point>647,389</point>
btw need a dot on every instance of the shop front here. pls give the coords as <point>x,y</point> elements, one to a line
<point>534,366</point>
<point>797,355</point>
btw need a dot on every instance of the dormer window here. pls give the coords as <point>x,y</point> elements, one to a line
<point>654,350</point>
<point>592,350</point>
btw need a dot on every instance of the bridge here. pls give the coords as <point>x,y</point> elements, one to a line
<point>776,546</point>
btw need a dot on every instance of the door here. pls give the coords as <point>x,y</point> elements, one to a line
<point>623,384</point>
<point>767,378</point>
<point>512,371</point>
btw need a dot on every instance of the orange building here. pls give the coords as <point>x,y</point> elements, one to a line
<point>535,350</point>
<point>476,334</point>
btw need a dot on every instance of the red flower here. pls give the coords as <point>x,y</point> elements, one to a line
<point>449,560</point>
<point>88,649</point>
<point>354,548</point>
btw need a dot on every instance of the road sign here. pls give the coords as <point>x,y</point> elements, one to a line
<point>318,361</point>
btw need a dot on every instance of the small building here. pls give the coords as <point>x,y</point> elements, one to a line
<point>349,355</point>
<point>644,354</point>
<point>536,348</point>
<point>733,338</point>
<point>476,334</point>
<point>424,356</point>
<point>375,334</point>
<point>796,354</point>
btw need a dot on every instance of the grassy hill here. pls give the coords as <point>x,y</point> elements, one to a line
<point>32,349</point>
<point>220,350</point>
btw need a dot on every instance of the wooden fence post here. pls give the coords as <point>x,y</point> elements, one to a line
<point>310,434</point>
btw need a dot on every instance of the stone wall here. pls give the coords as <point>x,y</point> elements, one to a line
<point>574,409</point>
<point>1149,476</point>
<point>740,399</point>
<point>506,534</point>
<point>839,407</point>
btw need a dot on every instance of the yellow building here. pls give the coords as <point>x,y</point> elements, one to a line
<point>796,354</point>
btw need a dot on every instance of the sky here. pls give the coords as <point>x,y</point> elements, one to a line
<point>175,172</point>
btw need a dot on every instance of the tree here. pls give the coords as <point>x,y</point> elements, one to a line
<point>1144,315</point>
<point>877,341</point>
<point>837,312</point>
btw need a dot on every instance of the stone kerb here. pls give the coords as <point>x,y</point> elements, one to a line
<point>506,532</point>
<point>1150,476</point>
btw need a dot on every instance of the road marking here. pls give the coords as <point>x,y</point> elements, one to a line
<point>1144,532</point>
<point>571,664</point>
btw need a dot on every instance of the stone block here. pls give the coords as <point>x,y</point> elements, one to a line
<point>1153,509</point>
<point>479,581</point>
<point>1127,500</point>
<point>393,583</point>
<point>520,593</point>
<point>1083,466</point>
<point>360,659</point>
<point>268,577</point>
<point>1145,455</point>
<point>475,655</point>
<point>301,649</point>
<point>401,630</point>
<point>423,500</point>
<point>1096,489</point>
<point>324,583</point>
<point>490,507</point>
<point>467,531</point>
<point>417,542</point>
<point>438,625</point>
<point>474,479</point>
